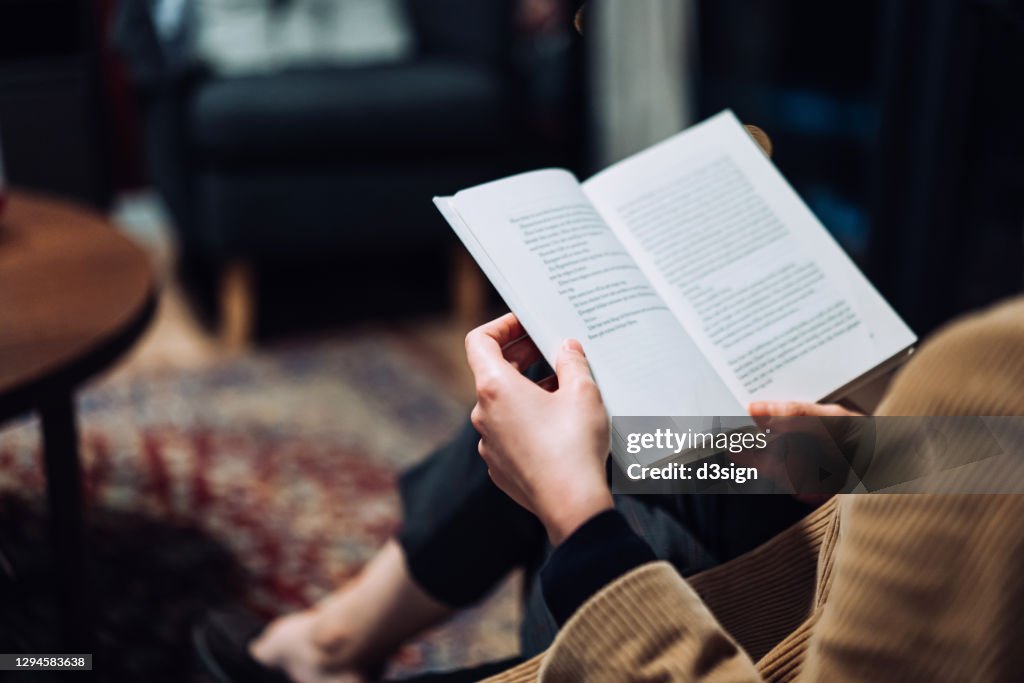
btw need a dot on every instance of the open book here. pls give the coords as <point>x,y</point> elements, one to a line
<point>694,276</point>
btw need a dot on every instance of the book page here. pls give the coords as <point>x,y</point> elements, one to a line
<point>565,274</point>
<point>762,288</point>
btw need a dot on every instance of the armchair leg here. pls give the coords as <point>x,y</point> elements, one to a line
<point>469,290</point>
<point>237,305</point>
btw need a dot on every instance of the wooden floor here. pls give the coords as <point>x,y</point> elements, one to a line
<point>176,340</point>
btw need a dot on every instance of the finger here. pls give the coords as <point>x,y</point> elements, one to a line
<point>504,330</point>
<point>761,412</point>
<point>484,353</point>
<point>549,383</point>
<point>798,409</point>
<point>761,138</point>
<point>487,455</point>
<point>764,411</point>
<point>572,368</point>
<point>476,417</point>
<point>521,353</point>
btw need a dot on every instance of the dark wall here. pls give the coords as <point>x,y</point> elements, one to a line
<point>50,118</point>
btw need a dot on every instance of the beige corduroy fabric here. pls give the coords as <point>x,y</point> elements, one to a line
<point>879,588</point>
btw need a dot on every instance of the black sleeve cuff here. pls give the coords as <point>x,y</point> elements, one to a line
<point>597,553</point>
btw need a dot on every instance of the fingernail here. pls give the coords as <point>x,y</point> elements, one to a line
<point>572,345</point>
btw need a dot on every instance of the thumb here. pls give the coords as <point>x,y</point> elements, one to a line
<point>571,366</point>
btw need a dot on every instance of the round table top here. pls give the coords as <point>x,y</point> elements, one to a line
<point>74,295</point>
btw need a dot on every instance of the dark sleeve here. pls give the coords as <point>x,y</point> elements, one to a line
<point>597,553</point>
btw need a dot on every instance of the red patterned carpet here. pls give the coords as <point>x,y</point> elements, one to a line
<point>266,479</point>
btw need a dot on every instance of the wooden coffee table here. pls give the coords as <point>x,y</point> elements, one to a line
<point>74,295</point>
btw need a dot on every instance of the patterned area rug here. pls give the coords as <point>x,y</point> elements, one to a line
<point>267,479</point>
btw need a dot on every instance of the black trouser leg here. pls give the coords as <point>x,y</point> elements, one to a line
<point>461,534</point>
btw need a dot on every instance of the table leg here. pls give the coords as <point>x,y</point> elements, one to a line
<point>64,494</point>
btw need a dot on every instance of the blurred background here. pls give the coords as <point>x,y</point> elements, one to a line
<point>276,159</point>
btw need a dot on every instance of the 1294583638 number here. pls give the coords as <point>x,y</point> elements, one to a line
<point>48,662</point>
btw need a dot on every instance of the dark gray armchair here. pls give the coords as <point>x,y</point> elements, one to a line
<point>319,160</point>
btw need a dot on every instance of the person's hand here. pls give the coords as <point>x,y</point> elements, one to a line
<point>544,446</point>
<point>810,445</point>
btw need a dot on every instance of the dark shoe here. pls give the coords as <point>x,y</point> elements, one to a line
<point>222,644</point>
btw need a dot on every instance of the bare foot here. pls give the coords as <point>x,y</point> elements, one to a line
<point>288,644</point>
<point>349,635</point>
